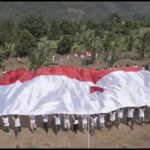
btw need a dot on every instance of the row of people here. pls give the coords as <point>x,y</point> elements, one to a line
<point>93,121</point>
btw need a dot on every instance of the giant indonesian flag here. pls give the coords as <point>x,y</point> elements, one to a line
<point>72,90</point>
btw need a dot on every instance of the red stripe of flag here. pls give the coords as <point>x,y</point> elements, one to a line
<point>95,89</point>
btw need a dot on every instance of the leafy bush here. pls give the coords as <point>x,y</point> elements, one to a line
<point>40,56</point>
<point>65,45</point>
<point>35,24</point>
<point>25,44</point>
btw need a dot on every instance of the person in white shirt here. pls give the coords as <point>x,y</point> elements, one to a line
<point>45,122</point>
<point>57,123</point>
<point>16,119</point>
<point>92,124</point>
<point>75,123</point>
<point>120,116</point>
<point>84,122</point>
<point>33,126</point>
<point>101,120</point>
<point>95,117</point>
<point>130,114</point>
<point>6,124</point>
<point>112,118</point>
<point>141,114</point>
<point>66,122</point>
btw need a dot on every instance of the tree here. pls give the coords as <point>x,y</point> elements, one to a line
<point>143,44</point>
<point>26,43</point>
<point>8,50</point>
<point>114,18</point>
<point>1,57</point>
<point>114,23</point>
<point>35,24</point>
<point>109,44</point>
<point>91,25</point>
<point>65,45</point>
<point>54,31</point>
<point>131,25</point>
<point>40,56</point>
<point>8,31</point>
<point>113,58</point>
<point>68,27</point>
<point>130,41</point>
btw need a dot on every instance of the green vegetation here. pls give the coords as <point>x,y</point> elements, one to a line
<point>39,39</point>
<point>41,56</point>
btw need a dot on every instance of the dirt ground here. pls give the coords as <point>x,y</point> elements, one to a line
<point>123,138</point>
<point>114,138</point>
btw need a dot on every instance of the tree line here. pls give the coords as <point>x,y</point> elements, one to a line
<point>39,38</point>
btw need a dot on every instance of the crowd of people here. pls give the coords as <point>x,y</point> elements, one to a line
<point>87,123</point>
<point>84,122</point>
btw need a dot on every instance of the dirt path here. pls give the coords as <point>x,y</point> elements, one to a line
<point>123,138</point>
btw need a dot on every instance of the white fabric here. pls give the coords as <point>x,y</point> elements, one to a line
<point>66,123</point>
<point>32,119</point>
<point>45,118</point>
<point>141,112</point>
<point>92,121</point>
<point>60,94</point>
<point>130,112</point>
<point>76,122</point>
<point>5,121</point>
<point>66,117</point>
<point>17,122</point>
<point>95,119</point>
<point>102,118</point>
<point>113,116</point>
<point>84,119</point>
<point>120,113</point>
<point>33,125</point>
<point>57,120</point>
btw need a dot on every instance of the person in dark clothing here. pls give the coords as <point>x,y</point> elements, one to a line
<point>45,122</point>
<point>75,123</point>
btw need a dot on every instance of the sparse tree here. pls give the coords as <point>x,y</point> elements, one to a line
<point>40,56</point>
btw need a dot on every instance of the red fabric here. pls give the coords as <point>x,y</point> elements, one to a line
<point>81,74</point>
<point>96,88</point>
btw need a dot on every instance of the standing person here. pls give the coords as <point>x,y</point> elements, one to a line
<point>95,117</point>
<point>120,116</point>
<point>84,122</point>
<point>66,122</point>
<point>91,125</point>
<point>112,118</point>
<point>75,123</point>
<point>16,119</point>
<point>57,123</point>
<point>101,120</point>
<point>33,126</point>
<point>130,114</point>
<point>141,114</point>
<point>6,124</point>
<point>45,122</point>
